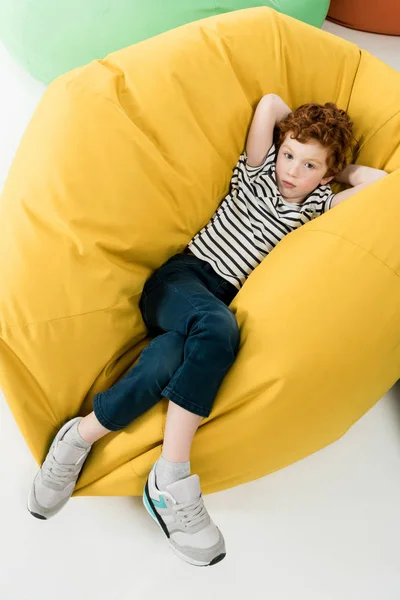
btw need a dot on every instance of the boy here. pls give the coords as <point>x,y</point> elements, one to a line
<point>275,188</point>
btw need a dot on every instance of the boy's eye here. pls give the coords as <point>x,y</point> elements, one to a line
<point>310,166</point>
<point>288,155</point>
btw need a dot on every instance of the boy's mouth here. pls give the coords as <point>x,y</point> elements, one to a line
<point>288,184</point>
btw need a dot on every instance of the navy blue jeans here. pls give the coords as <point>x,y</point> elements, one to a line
<point>196,338</point>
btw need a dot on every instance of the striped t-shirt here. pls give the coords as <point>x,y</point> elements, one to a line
<point>252,219</point>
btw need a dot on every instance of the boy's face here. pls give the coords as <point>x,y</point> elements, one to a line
<point>300,168</point>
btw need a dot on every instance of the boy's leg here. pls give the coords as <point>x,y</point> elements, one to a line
<point>191,306</point>
<point>141,388</point>
<point>173,497</point>
<point>188,297</point>
<point>90,429</point>
<point>180,429</point>
<point>135,393</point>
<point>138,391</point>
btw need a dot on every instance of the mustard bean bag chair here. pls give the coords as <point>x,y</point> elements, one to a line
<point>122,163</point>
<point>50,37</point>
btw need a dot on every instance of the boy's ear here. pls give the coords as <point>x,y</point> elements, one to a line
<point>326,180</point>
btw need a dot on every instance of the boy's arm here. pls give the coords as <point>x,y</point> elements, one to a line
<point>357,176</point>
<point>270,110</point>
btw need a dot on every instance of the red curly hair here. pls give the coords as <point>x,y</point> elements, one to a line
<point>327,124</point>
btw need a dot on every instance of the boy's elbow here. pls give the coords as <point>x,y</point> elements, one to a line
<point>379,174</point>
<point>269,99</point>
<point>271,96</point>
<point>372,175</point>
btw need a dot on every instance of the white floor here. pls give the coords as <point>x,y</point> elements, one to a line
<point>326,528</point>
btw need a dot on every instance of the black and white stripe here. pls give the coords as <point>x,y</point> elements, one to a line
<point>252,219</point>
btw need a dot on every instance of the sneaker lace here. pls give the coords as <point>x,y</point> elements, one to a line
<point>191,513</point>
<point>61,474</point>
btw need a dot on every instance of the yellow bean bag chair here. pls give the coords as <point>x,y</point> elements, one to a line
<point>123,162</point>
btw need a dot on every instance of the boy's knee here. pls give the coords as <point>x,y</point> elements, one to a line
<point>224,328</point>
<point>165,354</point>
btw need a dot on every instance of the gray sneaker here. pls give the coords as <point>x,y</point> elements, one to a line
<point>180,512</point>
<point>56,480</point>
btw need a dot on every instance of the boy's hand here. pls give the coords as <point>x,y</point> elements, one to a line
<point>270,110</point>
<point>357,176</point>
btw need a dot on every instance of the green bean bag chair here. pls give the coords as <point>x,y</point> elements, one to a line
<point>50,37</point>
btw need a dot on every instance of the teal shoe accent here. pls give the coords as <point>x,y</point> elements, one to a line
<point>159,503</point>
